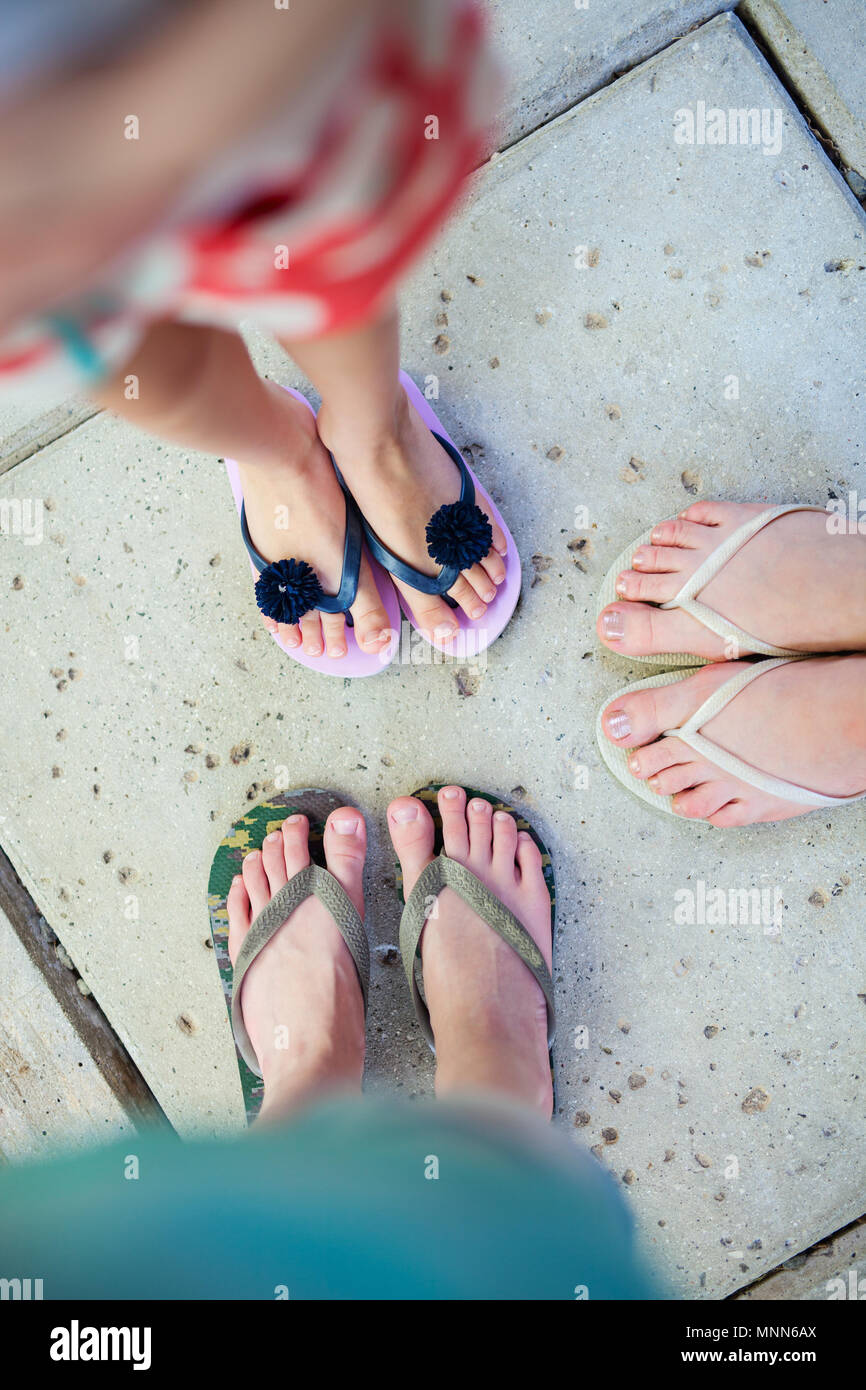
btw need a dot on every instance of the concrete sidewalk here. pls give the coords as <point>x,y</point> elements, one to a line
<point>630,321</point>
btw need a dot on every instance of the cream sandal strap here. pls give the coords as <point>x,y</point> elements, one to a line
<point>774,786</point>
<point>722,627</point>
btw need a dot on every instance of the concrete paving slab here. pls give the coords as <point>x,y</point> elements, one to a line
<point>559,54</point>
<point>707,266</point>
<point>52,1096</point>
<point>822,50</point>
<point>834,1271</point>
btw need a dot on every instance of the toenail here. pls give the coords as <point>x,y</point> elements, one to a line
<point>633,765</point>
<point>479,806</point>
<point>293,820</point>
<point>489,596</point>
<point>338,651</point>
<point>654,783</point>
<point>502,550</point>
<point>636,560</point>
<point>444,633</point>
<point>613,625</point>
<point>476,612</point>
<point>502,817</point>
<point>618,724</point>
<point>345,827</point>
<point>404,814</point>
<point>500,579</point>
<point>273,837</point>
<point>238,878</point>
<point>656,535</point>
<point>450,793</point>
<point>292,642</point>
<point>620,588</point>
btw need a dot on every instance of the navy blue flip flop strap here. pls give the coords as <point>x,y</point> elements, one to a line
<point>287,588</point>
<point>440,583</point>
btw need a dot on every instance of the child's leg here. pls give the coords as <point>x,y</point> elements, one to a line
<point>393,466</point>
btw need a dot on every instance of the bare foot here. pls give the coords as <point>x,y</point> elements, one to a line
<point>804,722</point>
<point>296,509</point>
<point>488,1012</point>
<point>399,482</point>
<point>303,987</point>
<point>794,584</point>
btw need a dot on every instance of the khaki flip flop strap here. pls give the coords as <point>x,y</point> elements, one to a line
<point>421,904</point>
<point>723,627</point>
<point>311,882</point>
<point>729,762</point>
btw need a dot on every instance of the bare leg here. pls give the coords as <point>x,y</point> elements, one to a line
<point>197,387</point>
<point>397,472</point>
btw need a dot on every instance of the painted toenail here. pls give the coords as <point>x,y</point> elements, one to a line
<point>613,626</point>
<point>404,814</point>
<point>618,724</point>
<point>633,766</point>
<point>450,793</point>
<point>345,827</point>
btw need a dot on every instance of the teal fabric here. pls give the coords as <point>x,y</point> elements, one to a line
<point>337,1205</point>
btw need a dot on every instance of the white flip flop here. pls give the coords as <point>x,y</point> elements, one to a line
<point>686,598</point>
<point>690,733</point>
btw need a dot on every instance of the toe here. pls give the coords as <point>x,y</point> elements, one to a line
<point>658,559</point>
<point>289,634</point>
<point>334,634</point>
<point>481,582</point>
<point>703,801</point>
<point>296,843</point>
<point>311,631</point>
<point>495,566</point>
<point>373,629</point>
<point>641,630</point>
<point>464,594</point>
<point>432,615</point>
<point>256,882</point>
<point>651,588</point>
<point>480,832</point>
<point>710,513</point>
<point>238,906</point>
<point>504,843</point>
<point>677,779</point>
<point>686,534</point>
<point>345,847</point>
<point>455,831</point>
<point>655,757</point>
<point>500,544</point>
<point>411,828</point>
<point>529,862</point>
<point>731,814</point>
<point>274,861</point>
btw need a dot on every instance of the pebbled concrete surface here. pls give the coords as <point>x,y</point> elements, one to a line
<point>705,263</point>
<point>822,50</point>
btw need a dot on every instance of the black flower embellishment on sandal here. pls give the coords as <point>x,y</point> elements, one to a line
<point>459,534</point>
<point>287,589</point>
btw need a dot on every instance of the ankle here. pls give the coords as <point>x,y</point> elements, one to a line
<point>378,443</point>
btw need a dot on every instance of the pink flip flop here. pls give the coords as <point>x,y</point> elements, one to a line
<point>458,535</point>
<point>288,588</point>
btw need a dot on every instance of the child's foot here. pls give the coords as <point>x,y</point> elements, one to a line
<point>301,997</point>
<point>804,722</point>
<point>794,584</point>
<point>399,483</point>
<point>488,1013</point>
<point>297,510</point>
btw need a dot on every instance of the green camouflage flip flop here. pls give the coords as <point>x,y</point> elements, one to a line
<point>248,833</point>
<point>445,872</point>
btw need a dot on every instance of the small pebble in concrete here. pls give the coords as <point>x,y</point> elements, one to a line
<point>128,874</point>
<point>441,344</point>
<point>670,1155</point>
<point>610,1135</point>
<point>187,1023</point>
<point>468,682</point>
<point>670,250</point>
<point>634,470</point>
<point>107,856</point>
<point>616,1096</point>
<point>758,1099</point>
<point>703,1160</point>
<point>212,760</point>
<point>555,454</point>
<point>819,898</point>
<point>193,748</point>
<point>493,363</point>
<point>61,735</point>
<point>190,776</point>
<point>62,685</point>
<point>543,316</point>
<point>215,560</point>
<point>56,771</point>
<point>18,582</point>
<point>594,322</point>
<point>387,954</point>
<point>73,674</point>
<point>441,319</point>
<point>710,1031</point>
<point>83,987</point>
<point>636,1081</point>
<point>475,280</point>
<point>629,1176</point>
<point>241,753</point>
<point>691,480</point>
<point>675,273</point>
<point>613,412</point>
<point>581,1119</point>
<point>446,296</point>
